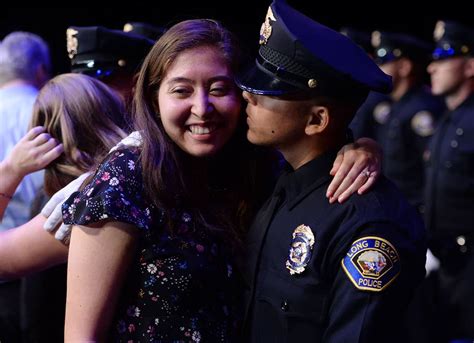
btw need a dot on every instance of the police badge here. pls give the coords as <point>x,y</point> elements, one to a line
<point>300,249</point>
<point>71,42</point>
<point>266,28</point>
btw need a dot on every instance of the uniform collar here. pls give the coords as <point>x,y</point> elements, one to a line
<point>299,183</point>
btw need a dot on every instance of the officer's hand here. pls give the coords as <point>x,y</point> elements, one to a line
<point>356,168</point>
<point>53,209</point>
<point>132,140</point>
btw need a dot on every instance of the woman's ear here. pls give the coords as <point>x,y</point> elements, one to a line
<point>318,120</point>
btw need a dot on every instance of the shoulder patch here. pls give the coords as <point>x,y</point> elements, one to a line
<point>423,123</point>
<point>382,112</point>
<point>371,263</point>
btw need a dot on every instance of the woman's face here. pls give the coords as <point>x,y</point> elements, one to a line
<point>199,102</point>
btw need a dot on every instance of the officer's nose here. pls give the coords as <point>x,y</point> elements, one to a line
<point>249,97</point>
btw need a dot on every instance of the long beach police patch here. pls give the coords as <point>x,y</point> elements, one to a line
<point>300,249</point>
<point>371,263</point>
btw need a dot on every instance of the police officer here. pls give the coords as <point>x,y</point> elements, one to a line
<point>374,111</point>
<point>449,192</point>
<point>414,112</point>
<point>318,271</point>
<point>112,56</point>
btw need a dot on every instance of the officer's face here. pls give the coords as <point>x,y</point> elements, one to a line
<point>447,75</point>
<point>275,121</point>
<point>199,102</point>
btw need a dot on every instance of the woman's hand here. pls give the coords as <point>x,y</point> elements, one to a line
<point>33,152</point>
<point>356,168</point>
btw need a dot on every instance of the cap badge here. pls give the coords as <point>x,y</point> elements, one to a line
<point>439,30</point>
<point>375,39</point>
<point>300,249</point>
<point>371,263</point>
<point>72,42</point>
<point>127,27</point>
<point>266,29</point>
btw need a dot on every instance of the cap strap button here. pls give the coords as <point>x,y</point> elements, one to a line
<point>312,83</point>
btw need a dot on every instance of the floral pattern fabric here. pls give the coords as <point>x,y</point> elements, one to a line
<point>181,286</point>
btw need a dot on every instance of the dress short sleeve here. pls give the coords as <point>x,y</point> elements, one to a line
<point>115,193</point>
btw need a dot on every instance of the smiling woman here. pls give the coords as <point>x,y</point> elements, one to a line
<point>199,107</point>
<point>161,219</point>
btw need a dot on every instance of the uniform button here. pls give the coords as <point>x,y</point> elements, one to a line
<point>454,144</point>
<point>459,131</point>
<point>392,134</point>
<point>284,305</point>
<point>461,240</point>
<point>448,164</point>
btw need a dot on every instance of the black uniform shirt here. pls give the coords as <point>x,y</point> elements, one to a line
<point>405,137</point>
<point>371,115</point>
<point>377,238</point>
<point>449,191</point>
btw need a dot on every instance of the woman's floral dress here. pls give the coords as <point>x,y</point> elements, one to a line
<point>180,287</point>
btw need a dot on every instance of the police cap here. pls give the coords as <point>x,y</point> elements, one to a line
<point>452,39</point>
<point>389,46</point>
<point>150,31</point>
<point>298,54</point>
<point>98,51</point>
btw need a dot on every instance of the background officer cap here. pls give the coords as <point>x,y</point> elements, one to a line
<point>390,46</point>
<point>361,38</point>
<point>299,54</point>
<point>99,51</point>
<point>144,29</point>
<point>452,39</point>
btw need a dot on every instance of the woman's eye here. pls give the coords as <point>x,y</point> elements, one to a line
<point>219,90</point>
<point>180,91</point>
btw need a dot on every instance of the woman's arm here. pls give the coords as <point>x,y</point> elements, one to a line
<point>355,169</point>
<point>99,259</point>
<point>33,152</point>
<point>29,248</point>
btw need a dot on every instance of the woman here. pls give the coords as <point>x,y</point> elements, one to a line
<point>157,226</point>
<point>85,116</point>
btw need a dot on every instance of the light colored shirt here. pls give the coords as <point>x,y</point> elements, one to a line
<point>16,104</point>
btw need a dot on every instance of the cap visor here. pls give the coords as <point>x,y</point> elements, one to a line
<point>257,81</point>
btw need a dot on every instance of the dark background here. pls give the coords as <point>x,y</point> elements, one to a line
<point>243,17</point>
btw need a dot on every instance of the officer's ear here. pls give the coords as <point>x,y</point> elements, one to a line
<point>469,68</point>
<point>318,120</point>
<point>405,67</point>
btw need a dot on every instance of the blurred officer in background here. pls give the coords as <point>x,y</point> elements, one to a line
<point>321,272</point>
<point>25,65</point>
<point>413,114</point>
<point>375,109</point>
<point>112,56</point>
<point>449,195</point>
